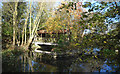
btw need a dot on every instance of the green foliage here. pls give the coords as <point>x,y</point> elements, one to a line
<point>108,53</point>
<point>7,22</point>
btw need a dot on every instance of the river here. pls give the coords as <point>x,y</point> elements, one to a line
<point>37,62</point>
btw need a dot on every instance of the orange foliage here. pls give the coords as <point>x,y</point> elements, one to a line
<point>57,23</point>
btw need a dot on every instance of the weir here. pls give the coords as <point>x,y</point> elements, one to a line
<point>45,41</point>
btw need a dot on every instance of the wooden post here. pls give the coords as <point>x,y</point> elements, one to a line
<point>40,57</point>
<point>55,55</point>
<point>41,37</point>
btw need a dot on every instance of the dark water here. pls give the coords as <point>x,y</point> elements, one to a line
<point>36,62</point>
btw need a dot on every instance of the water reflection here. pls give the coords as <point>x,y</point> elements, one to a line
<point>93,65</point>
<point>36,62</point>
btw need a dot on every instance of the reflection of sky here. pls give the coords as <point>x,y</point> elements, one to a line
<point>81,65</point>
<point>105,68</point>
<point>95,50</point>
<point>108,68</point>
<point>33,62</point>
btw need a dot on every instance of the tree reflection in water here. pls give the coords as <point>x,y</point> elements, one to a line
<point>36,62</point>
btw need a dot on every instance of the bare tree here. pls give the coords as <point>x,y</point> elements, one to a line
<point>39,10</point>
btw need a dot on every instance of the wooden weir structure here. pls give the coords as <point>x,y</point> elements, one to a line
<point>43,34</point>
<point>40,41</point>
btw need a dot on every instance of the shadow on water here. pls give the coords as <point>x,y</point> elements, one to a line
<point>37,62</point>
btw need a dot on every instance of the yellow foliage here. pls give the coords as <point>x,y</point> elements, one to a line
<point>105,42</point>
<point>80,59</point>
<point>95,56</point>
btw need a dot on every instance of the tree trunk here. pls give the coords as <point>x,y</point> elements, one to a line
<point>24,29</point>
<point>25,34</point>
<point>22,37</point>
<point>30,20</point>
<point>14,22</point>
<point>82,34</point>
<point>35,26</point>
<point>33,33</point>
